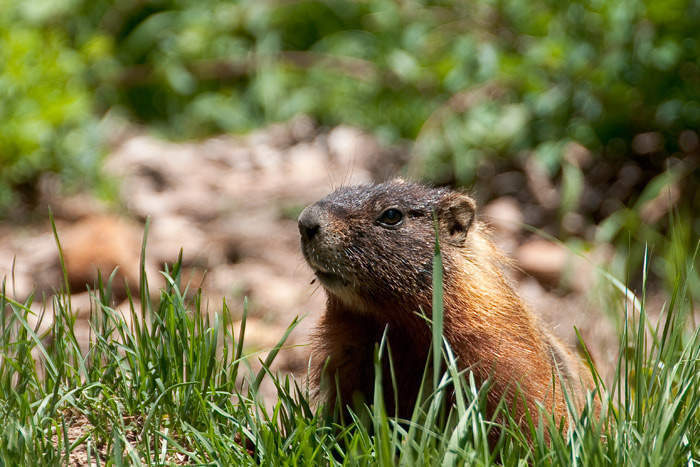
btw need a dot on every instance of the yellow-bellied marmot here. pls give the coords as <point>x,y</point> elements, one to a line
<point>371,247</point>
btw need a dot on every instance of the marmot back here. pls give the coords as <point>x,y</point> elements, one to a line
<point>371,248</point>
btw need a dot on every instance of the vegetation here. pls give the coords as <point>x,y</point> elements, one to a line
<point>47,111</point>
<point>166,384</point>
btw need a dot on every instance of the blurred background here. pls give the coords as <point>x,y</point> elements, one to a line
<point>570,120</point>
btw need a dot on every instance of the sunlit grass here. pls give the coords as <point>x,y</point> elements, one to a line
<point>166,383</point>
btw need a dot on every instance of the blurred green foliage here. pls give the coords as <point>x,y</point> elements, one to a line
<point>46,107</point>
<point>482,87</point>
<point>592,71</point>
<point>595,72</point>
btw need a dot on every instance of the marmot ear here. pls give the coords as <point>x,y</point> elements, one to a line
<point>455,216</point>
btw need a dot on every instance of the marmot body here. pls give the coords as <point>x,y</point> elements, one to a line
<point>371,247</point>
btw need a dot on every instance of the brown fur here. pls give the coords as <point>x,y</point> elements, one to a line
<point>379,277</point>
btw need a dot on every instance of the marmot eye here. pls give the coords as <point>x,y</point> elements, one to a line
<point>391,217</point>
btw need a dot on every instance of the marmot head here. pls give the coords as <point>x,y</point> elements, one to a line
<point>373,245</point>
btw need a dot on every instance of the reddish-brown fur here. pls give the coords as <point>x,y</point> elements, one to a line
<point>378,276</point>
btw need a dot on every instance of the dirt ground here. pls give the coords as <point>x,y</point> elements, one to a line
<point>231,202</point>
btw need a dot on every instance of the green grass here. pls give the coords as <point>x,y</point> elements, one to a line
<point>168,384</point>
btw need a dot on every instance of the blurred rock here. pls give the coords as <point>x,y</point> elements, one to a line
<point>357,151</point>
<point>168,235</point>
<point>573,223</point>
<point>303,128</point>
<point>689,141</point>
<point>506,218</point>
<point>15,283</point>
<point>555,265</point>
<point>540,184</point>
<point>82,304</point>
<point>647,143</point>
<point>577,154</point>
<point>68,207</point>
<point>565,315</point>
<point>653,210</point>
<point>28,264</point>
<point>102,242</point>
<point>259,335</point>
<point>507,183</point>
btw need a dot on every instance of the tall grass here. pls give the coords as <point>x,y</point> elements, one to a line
<point>165,383</point>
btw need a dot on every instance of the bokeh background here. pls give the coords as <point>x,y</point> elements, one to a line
<point>570,120</point>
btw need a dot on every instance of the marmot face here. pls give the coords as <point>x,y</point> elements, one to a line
<point>373,244</point>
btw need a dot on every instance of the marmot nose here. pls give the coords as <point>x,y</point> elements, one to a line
<point>309,222</point>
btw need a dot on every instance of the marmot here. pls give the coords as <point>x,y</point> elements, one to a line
<point>371,248</point>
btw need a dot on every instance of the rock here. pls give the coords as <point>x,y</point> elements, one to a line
<point>67,206</point>
<point>303,128</point>
<point>259,335</point>
<point>654,209</point>
<point>540,184</point>
<point>578,155</point>
<point>506,218</point>
<point>647,143</point>
<point>28,264</point>
<point>17,284</point>
<point>102,243</point>
<point>168,234</point>
<point>350,147</point>
<point>555,265</point>
<point>82,304</point>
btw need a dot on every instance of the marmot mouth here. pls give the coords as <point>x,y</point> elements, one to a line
<point>330,280</point>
